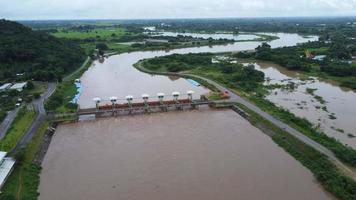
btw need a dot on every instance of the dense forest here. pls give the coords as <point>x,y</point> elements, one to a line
<point>27,54</point>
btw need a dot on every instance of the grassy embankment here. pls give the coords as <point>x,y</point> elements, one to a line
<point>24,181</point>
<point>19,126</point>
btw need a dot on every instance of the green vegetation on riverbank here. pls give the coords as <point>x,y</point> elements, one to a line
<point>206,64</point>
<point>19,126</point>
<point>24,181</point>
<point>65,91</point>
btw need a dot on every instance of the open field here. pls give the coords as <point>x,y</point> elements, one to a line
<point>99,33</point>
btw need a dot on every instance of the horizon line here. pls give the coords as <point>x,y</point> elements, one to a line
<point>183,18</point>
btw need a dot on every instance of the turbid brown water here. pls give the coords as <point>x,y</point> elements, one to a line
<point>339,102</point>
<point>188,155</point>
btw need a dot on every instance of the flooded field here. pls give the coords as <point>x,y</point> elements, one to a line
<point>116,76</point>
<point>179,155</point>
<point>324,103</point>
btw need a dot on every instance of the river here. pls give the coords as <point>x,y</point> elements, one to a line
<point>193,155</point>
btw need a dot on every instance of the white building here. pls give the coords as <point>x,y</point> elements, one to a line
<point>6,166</point>
<point>5,87</point>
<point>19,86</point>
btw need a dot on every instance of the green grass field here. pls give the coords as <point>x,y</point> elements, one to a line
<point>318,51</point>
<point>18,128</point>
<point>102,33</point>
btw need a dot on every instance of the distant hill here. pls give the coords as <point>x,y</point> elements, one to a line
<point>38,55</point>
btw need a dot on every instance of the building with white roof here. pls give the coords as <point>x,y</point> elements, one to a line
<point>5,87</point>
<point>19,86</point>
<point>6,166</point>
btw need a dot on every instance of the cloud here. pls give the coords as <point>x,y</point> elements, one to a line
<point>126,9</point>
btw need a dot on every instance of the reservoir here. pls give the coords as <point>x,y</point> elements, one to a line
<point>190,155</point>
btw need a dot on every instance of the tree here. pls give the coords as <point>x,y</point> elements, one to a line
<point>30,85</point>
<point>102,46</point>
<point>263,52</point>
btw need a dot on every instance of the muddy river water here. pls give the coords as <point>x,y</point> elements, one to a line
<point>338,117</point>
<point>187,155</point>
<point>191,155</point>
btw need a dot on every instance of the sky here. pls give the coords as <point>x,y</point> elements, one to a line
<point>148,9</point>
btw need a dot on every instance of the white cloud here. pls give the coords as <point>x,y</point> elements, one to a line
<point>123,9</point>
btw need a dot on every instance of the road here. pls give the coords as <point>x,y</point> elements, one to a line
<point>6,123</point>
<point>38,104</point>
